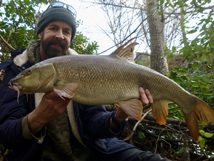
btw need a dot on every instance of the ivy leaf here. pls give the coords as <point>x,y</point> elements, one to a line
<point>173,49</point>
<point>202,132</point>
<point>195,65</point>
<point>192,31</point>
<point>141,135</point>
<point>170,56</point>
<point>179,152</point>
<point>208,135</point>
<point>213,65</point>
<point>201,141</point>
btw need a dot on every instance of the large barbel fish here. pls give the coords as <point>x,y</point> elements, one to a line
<point>112,79</point>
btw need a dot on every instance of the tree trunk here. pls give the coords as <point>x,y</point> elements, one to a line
<point>156,30</point>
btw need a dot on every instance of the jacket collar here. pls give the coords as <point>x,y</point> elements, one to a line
<point>29,53</point>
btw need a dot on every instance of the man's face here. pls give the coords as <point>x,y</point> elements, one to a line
<point>55,39</point>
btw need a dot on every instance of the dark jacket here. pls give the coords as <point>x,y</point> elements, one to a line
<point>94,133</point>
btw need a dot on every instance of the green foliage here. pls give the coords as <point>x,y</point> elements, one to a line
<point>82,45</point>
<point>202,139</point>
<point>197,80</point>
<point>18,27</point>
<point>196,73</point>
<point>206,134</point>
<point>179,152</point>
<point>141,135</point>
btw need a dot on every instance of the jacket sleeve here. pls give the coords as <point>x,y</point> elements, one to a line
<point>95,120</point>
<point>11,114</point>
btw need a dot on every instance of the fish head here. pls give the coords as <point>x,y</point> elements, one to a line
<point>37,78</point>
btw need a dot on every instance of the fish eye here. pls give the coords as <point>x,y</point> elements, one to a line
<point>28,72</point>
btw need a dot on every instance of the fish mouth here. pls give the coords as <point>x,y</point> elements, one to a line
<point>16,87</point>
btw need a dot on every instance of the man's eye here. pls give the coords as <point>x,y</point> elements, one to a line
<point>68,32</point>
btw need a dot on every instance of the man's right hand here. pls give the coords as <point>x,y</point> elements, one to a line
<point>50,107</point>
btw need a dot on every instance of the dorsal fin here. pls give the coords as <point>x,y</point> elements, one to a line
<point>125,51</point>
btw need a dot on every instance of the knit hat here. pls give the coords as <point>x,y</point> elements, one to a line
<point>53,14</point>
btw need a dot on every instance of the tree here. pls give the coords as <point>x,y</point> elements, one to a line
<point>157,43</point>
<point>123,16</point>
<point>120,19</point>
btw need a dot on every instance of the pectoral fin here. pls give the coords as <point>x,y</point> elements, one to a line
<point>132,107</point>
<point>160,111</point>
<point>66,90</point>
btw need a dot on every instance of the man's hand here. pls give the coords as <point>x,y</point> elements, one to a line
<point>146,98</point>
<point>50,107</point>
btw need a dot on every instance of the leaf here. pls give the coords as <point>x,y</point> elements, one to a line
<point>192,31</point>
<point>183,12</point>
<point>195,65</point>
<point>194,83</point>
<point>213,64</point>
<point>164,54</point>
<point>208,135</point>
<point>174,74</point>
<point>173,49</point>
<point>171,56</point>
<point>201,141</point>
<point>202,132</point>
<point>141,135</point>
<point>179,152</point>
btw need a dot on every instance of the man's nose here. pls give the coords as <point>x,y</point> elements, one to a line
<point>60,34</point>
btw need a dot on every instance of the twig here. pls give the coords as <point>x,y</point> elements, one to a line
<point>174,108</point>
<point>211,75</point>
<point>161,140</point>
<point>6,43</point>
<point>174,112</point>
<point>136,125</point>
<point>201,88</point>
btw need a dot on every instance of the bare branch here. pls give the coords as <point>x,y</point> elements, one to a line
<point>136,125</point>
<point>6,43</point>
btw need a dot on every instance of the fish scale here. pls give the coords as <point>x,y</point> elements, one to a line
<point>112,79</point>
<point>90,77</point>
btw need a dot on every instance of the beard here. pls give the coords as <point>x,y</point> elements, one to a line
<point>54,47</point>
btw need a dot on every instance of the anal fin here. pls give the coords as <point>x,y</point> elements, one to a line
<point>160,111</point>
<point>132,107</point>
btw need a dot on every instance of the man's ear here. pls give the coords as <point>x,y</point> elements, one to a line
<point>40,35</point>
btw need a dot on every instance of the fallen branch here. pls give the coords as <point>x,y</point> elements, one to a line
<point>136,125</point>
<point>174,112</point>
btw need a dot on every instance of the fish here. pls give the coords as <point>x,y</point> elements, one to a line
<point>112,79</point>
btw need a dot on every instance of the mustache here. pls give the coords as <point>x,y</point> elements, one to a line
<point>58,42</point>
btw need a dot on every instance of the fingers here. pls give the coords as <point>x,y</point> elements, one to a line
<point>51,95</point>
<point>149,96</point>
<point>51,101</point>
<point>146,96</point>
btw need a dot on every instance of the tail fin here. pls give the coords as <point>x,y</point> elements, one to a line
<point>202,112</point>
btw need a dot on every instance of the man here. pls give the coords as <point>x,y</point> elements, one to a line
<point>45,127</point>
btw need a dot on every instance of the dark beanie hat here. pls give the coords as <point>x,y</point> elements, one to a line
<point>53,14</point>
